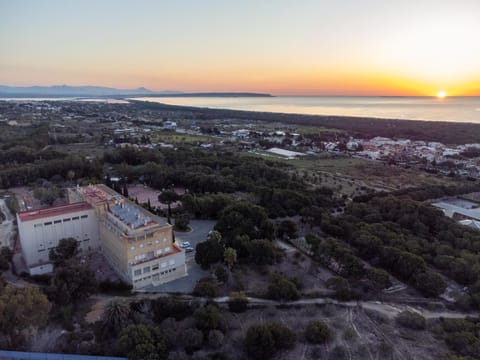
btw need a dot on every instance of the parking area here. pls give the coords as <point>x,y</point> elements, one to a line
<point>200,230</point>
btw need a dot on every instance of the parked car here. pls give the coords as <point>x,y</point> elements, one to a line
<point>185,244</point>
<point>189,249</point>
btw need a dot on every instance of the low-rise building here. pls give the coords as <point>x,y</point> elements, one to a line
<point>40,231</point>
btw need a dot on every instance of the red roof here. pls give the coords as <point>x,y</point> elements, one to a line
<point>53,211</point>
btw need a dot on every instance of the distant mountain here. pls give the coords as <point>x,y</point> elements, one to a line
<point>73,91</point>
<point>101,91</point>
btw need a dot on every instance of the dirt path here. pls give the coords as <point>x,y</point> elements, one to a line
<point>391,310</point>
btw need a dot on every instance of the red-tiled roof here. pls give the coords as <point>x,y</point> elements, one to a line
<point>53,211</point>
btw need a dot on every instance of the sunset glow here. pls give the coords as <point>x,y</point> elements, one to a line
<point>312,47</point>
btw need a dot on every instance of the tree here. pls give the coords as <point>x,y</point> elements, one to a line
<point>192,340</point>
<point>230,257</point>
<point>429,283</point>
<point>317,332</point>
<point>238,302</point>
<point>221,274</point>
<point>168,197</point>
<point>263,341</point>
<point>379,278</point>
<point>411,320</point>
<point>116,317</point>
<point>205,287</point>
<point>181,222</point>
<point>142,342</point>
<point>72,283</point>
<point>64,251</point>
<point>281,288</point>
<point>208,318</point>
<point>262,252</point>
<point>288,229</point>
<point>210,251</point>
<point>21,309</point>
<point>215,338</point>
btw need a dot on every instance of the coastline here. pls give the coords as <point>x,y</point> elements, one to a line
<point>448,132</point>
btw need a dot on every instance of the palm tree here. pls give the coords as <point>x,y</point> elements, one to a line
<point>116,316</point>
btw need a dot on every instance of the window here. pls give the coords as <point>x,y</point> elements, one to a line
<point>84,216</point>
<point>141,246</point>
<point>146,269</point>
<point>155,267</point>
<point>137,272</point>
<point>156,277</point>
<point>164,264</point>
<point>65,220</point>
<point>48,223</point>
<point>165,239</point>
<point>40,250</point>
<point>149,243</point>
<point>157,241</point>
<point>57,221</point>
<point>159,252</point>
<point>171,262</point>
<point>167,249</point>
<point>37,225</point>
<point>75,218</point>
<point>132,248</point>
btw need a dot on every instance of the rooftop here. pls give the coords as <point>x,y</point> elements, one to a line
<point>30,215</point>
<point>131,215</point>
<point>99,193</point>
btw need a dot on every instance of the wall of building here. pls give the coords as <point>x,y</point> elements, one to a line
<point>159,270</point>
<point>38,236</point>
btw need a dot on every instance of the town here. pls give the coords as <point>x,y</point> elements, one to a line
<point>120,206</point>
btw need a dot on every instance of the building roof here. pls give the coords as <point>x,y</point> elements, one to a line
<point>450,210</point>
<point>53,211</point>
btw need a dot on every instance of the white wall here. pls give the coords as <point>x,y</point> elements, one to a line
<point>38,236</point>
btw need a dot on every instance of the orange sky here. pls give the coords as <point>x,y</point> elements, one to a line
<point>283,47</point>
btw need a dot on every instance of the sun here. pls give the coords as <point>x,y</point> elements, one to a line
<point>441,94</point>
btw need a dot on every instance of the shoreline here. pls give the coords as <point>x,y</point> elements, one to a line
<point>447,132</point>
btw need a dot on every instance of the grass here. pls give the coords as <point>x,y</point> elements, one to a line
<point>172,137</point>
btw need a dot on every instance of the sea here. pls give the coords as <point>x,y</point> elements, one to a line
<point>456,109</point>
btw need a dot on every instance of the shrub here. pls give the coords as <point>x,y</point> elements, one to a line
<point>237,302</point>
<point>411,320</point>
<point>215,339</point>
<point>281,288</point>
<point>221,274</point>
<point>263,341</point>
<point>205,287</point>
<point>317,332</point>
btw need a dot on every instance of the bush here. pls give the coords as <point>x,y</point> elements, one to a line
<point>281,288</point>
<point>237,302</point>
<point>192,340</point>
<point>263,341</point>
<point>411,320</point>
<point>221,274</point>
<point>205,287</point>
<point>317,332</point>
<point>215,339</point>
<point>338,353</point>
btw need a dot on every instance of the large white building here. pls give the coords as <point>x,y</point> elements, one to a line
<point>40,231</point>
<point>137,244</point>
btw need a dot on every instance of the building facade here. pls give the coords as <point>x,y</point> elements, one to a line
<point>40,231</point>
<point>137,244</point>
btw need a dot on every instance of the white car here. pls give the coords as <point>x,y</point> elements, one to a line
<point>185,244</point>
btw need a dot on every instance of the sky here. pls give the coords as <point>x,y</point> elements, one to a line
<point>281,47</point>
